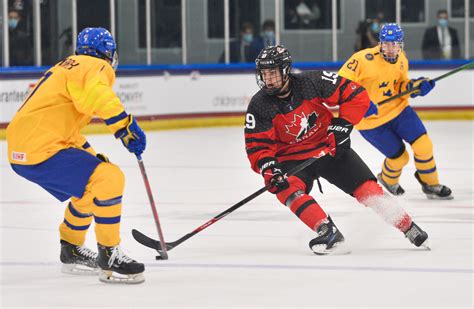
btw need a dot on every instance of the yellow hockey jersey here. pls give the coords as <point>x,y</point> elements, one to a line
<point>382,80</point>
<point>62,103</point>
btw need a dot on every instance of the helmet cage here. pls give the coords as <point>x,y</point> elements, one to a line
<point>391,33</point>
<point>273,57</point>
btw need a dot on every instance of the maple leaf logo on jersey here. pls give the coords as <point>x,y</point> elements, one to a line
<point>301,124</point>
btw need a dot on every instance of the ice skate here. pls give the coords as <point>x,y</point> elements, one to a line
<point>417,236</point>
<point>395,189</point>
<point>435,192</point>
<point>329,240</point>
<point>78,260</point>
<point>116,267</point>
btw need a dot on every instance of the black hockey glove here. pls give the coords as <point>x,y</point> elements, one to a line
<point>339,136</point>
<point>274,176</point>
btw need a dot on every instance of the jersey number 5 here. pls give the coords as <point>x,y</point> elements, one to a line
<point>249,121</point>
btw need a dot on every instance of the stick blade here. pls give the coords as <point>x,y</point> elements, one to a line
<point>146,241</point>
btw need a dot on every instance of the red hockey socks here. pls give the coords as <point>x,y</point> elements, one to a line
<point>371,195</point>
<point>308,211</point>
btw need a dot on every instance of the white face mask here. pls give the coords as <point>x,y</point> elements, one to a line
<point>12,23</point>
<point>443,22</point>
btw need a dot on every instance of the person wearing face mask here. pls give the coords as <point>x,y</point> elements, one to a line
<point>21,49</point>
<point>240,49</point>
<point>368,31</point>
<point>267,38</point>
<point>441,41</point>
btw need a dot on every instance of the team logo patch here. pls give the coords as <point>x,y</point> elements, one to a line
<point>301,124</point>
<point>369,57</point>
<point>383,84</point>
<point>19,156</point>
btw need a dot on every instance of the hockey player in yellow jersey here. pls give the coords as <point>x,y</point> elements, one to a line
<point>45,146</point>
<point>383,71</point>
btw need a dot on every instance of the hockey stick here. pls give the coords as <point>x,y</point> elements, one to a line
<point>162,251</point>
<point>157,245</point>
<point>401,94</point>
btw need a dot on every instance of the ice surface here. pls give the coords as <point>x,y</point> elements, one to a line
<point>257,256</point>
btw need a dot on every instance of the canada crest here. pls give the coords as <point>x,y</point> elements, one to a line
<point>301,124</point>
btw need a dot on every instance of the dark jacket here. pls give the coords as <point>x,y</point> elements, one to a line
<point>235,53</point>
<point>21,48</point>
<point>431,48</point>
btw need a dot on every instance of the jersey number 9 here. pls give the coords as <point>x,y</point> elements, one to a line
<point>249,121</point>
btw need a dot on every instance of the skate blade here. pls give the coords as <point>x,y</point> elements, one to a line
<point>78,269</point>
<point>426,245</point>
<point>340,249</point>
<point>109,276</point>
<point>435,197</point>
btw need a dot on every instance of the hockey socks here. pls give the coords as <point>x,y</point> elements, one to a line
<point>308,211</point>
<point>371,195</point>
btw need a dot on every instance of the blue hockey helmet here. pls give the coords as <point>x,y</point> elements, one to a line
<point>391,41</point>
<point>97,42</point>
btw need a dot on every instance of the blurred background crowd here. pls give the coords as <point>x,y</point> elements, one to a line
<point>40,32</point>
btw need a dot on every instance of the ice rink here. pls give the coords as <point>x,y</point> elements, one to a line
<point>258,256</point>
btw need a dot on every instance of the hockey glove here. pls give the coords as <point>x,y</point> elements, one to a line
<point>273,175</point>
<point>373,110</point>
<point>425,84</point>
<point>102,157</point>
<point>132,136</point>
<point>339,136</point>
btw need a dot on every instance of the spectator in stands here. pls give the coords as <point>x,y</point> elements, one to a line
<point>302,14</point>
<point>240,48</point>
<point>266,38</point>
<point>441,41</point>
<point>368,32</point>
<point>21,49</point>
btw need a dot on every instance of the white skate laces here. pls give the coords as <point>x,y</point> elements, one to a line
<point>88,253</point>
<point>119,255</point>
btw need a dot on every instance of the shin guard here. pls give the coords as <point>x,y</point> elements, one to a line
<point>302,204</point>
<point>392,168</point>
<point>371,195</point>
<point>424,160</point>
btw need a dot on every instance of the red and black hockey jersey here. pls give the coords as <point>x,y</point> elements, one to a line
<point>296,128</point>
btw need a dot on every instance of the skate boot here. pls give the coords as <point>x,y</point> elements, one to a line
<point>116,267</point>
<point>78,260</point>
<point>417,236</point>
<point>395,189</point>
<point>328,240</point>
<point>435,192</point>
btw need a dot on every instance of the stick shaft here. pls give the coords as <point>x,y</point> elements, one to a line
<point>163,252</point>
<point>243,202</point>
<point>401,94</point>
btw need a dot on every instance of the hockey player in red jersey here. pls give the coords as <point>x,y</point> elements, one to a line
<point>287,123</point>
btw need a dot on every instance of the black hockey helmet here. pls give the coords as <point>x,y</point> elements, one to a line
<point>272,57</point>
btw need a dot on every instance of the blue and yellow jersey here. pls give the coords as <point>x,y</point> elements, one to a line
<point>63,102</point>
<point>382,80</point>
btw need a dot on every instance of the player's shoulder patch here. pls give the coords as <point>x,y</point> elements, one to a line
<point>369,56</point>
